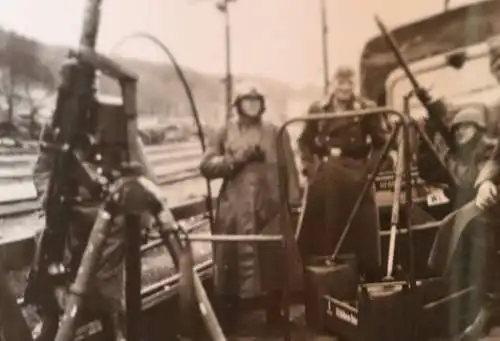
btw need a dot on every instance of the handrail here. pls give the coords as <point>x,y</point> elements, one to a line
<point>282,171</point>
<point>283,178</point>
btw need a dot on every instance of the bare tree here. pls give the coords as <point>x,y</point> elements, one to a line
<point>36,99</point>
<point>23,77</point>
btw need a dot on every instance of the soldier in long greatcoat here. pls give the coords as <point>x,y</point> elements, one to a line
<point>349,148</point>
<point>244,155</point>
<point>459,251</point>
<point>480,217</point>
<point>488,203</point>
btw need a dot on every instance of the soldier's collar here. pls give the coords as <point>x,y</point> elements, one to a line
<point>354,100</point>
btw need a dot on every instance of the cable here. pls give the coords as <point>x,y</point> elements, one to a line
<point>190,96</point>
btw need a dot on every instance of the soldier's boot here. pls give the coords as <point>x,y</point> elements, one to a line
<point>274,315</point>
<point>227,310</point>
<point>490,311</point>
<point>485,319</point>
<point>481,324</point>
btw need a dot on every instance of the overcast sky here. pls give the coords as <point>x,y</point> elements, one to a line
<point>273,38</point>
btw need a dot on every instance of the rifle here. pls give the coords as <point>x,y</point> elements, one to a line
<point>73,111</point>
<point>436,108</point>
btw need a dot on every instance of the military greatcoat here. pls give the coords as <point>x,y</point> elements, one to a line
<point>249,203</point>
<point>348,145</point>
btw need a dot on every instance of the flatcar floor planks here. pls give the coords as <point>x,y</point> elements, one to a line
<point>252,327</point>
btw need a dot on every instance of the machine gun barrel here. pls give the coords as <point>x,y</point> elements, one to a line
<point>435,108</point>
<point>70,116</point>
<point>92,16</point>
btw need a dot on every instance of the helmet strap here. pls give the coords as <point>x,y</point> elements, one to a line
<point>240,110</point>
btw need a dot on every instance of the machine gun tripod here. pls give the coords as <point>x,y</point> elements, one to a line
<point>129,194</point>
<point>132,195</point>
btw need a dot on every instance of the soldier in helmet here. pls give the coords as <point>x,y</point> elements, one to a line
<point>481,216</point>
<point>473,149</point>
<point>459,250</point>
<point>107,295</point>
<point>487,200</point>
<point>244,155</point>
<point>348,148</point>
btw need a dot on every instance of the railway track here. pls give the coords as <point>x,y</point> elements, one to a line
<point>176,168</point>
<point>171,163</point>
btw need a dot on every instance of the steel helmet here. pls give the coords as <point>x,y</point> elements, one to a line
<point>248,90</point>
<point>344,72</point>
<point>472,115</point>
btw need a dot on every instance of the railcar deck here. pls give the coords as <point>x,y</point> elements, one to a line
<point>160,280</point>
<point>252,328</point>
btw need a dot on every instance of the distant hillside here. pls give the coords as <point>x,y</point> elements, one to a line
<point>160,91</point>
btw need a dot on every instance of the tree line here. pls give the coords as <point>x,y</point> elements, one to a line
<point>25,84</point>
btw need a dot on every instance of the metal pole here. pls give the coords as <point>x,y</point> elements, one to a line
<point>229,75</point>
<point>13,326</point>
<point>133,277</point>
<point>192,103</point>
<point>324,36</point>
<point>446,5</point>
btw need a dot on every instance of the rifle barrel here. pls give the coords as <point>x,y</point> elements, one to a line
<point>392,42</point>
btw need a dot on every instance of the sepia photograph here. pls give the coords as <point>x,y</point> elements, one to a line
<point>249,170</point>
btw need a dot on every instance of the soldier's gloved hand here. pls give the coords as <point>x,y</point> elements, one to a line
<point>256,154</point>
<point>487,195</point>
<point>393,157</point>
<point>243,157</point>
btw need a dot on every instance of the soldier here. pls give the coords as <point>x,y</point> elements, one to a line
<point>244,155</point>
<point>107,294</point>
<point>487,201</point>
<point>487,194</point>
<point>459,248</point>
<point>483,214</point>
<point>349,147</point>
<point>473,148</point>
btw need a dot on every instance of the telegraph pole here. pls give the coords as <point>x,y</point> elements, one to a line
<point>223,6</point>
<point>446,5</point>
<point>324,35</point>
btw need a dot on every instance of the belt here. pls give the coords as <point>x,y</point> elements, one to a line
<point>357,155</point>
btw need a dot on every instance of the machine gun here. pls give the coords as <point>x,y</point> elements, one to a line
<point>117,184</point>
<point>435,108</point>
<point>72,113</point>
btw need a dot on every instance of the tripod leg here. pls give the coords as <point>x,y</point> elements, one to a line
<point>13,326</point>
<point>174,247</point>
<point>133,277</point>
<point>92,253</point>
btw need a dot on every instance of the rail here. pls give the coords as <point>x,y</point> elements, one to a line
<point>172,164</point>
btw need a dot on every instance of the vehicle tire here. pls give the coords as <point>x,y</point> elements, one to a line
<point>13,326</point>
